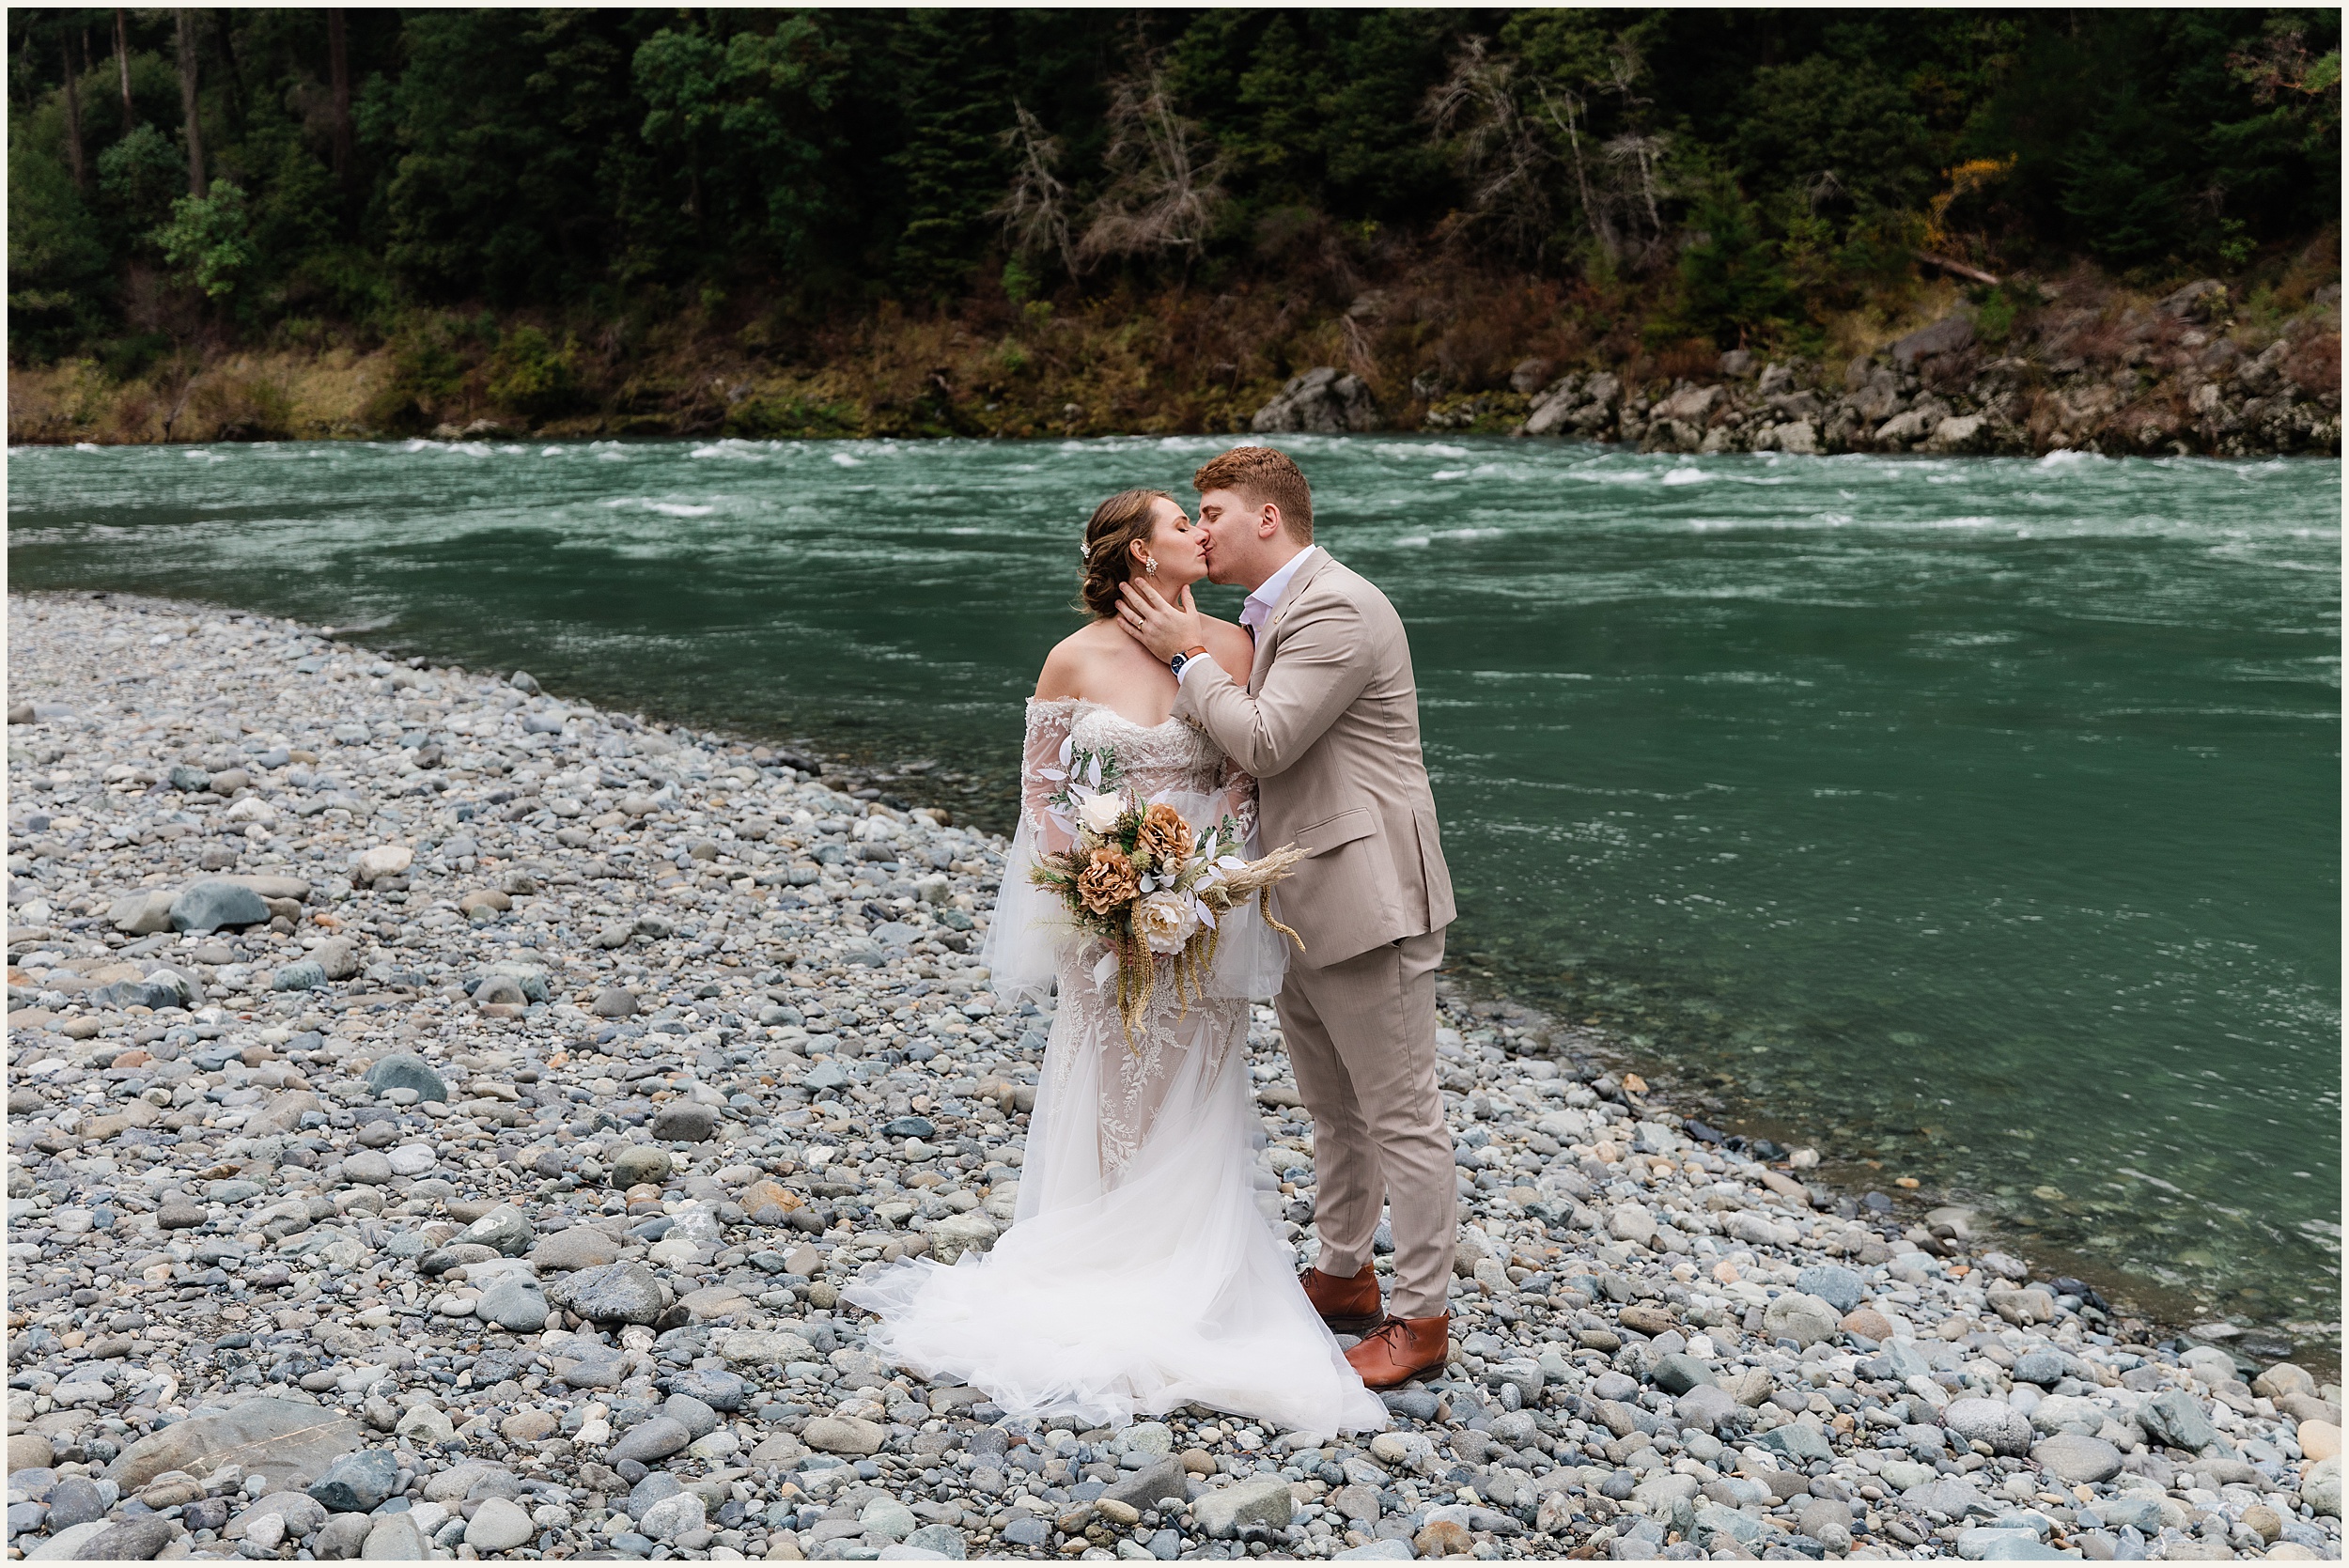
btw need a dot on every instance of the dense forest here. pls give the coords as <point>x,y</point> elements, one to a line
<point>831,221</point>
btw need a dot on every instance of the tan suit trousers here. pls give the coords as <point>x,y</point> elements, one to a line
<point>1361,1036</point>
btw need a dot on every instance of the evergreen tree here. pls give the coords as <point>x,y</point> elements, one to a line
<point>611,164</point>
<point>951,169</point>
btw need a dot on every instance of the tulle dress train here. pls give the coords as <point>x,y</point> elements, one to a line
<point>1140,1273</point>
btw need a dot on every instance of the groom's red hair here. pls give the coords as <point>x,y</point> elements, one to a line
<point>1258,475</point>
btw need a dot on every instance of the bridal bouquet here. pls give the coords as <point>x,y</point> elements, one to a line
<point>1136,876</point>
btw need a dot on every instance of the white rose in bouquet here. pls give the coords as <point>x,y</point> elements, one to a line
<point>1165,922</point>
<point>1100,812</point>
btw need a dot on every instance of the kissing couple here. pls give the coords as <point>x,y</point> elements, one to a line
<point>1140,1273</point>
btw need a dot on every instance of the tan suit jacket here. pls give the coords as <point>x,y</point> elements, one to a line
<point>1328,725</point>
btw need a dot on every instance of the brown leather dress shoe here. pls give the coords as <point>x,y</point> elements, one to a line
<point>1402,1348</point>
<point>1347,1306</point>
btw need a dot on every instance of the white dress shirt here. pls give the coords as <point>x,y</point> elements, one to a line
<point>1258,610</point>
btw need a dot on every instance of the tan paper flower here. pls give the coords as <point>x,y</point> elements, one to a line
<point>1109,881</point>
<point>1165,834</point>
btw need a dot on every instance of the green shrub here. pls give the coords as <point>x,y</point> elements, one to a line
<point>427,374</point>
<point>138,179</point>
<point>1732,287</point>
<point>57,260</point>
<point>124,358</point>
<point>530,376</point>
<point>1994,318</point>
<point>765,417</point>
<point>209,238</point>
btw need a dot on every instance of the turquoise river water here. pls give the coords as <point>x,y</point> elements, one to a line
<point>1976,818</point>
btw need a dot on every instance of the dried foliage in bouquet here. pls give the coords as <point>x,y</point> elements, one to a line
<point>1138,876</point>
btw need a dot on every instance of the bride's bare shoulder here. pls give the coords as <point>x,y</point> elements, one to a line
<point>1073,657</point>
<point>1229,647</point>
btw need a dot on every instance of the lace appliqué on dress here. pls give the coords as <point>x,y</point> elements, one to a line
<point>1170,759</point>
<point>1142,1272</point>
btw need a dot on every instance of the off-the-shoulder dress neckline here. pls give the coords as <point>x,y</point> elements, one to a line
<point>1087,702</point>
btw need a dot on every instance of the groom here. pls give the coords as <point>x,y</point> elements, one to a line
<point>1328,725</point>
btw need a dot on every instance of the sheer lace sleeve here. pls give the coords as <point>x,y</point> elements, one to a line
<point>1024,939</point>
<point>1235,797</point>
<point>1251,957</point>
<point>1044,773</point>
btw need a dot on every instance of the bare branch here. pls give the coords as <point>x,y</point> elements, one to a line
<point>1623,70</point>
<point>1495,146</point>
<point>1036,210</point>
<point>1166,194</point>
<point>1565,109</point>
<point>1637,158</point>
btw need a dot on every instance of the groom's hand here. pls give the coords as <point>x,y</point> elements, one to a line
<point>1165,629</point>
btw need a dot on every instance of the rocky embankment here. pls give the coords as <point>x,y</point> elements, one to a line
<point>2177,378</point>
<point>2069,363</point>
<point>441,1117</point>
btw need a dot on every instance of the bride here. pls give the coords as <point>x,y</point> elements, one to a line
<point>1139,1274</point>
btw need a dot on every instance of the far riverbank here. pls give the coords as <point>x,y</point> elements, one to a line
<point>2076,364</point>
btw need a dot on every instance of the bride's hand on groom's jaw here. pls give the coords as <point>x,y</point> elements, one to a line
<point>1166,629</point>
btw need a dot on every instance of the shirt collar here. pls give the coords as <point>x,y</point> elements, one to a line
<point>1258,609</point>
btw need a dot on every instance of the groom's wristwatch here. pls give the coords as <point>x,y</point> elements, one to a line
<point>1195,651</point>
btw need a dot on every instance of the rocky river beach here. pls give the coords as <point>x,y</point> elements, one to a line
<point>442,1116</point>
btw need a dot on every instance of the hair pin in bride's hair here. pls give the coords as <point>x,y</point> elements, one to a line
<point>1084,551</point>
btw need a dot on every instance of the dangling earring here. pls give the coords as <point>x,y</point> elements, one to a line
<point>1149,568</point>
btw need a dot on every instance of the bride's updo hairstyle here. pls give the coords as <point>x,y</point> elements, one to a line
<point>1118,524</point>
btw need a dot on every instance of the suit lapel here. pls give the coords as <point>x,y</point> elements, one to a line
<point>1264,639</point>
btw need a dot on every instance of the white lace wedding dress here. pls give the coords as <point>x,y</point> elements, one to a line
<point>1140,1274</point>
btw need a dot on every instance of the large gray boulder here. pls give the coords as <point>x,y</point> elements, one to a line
<point>616,1293</point>
<point>650,1441</point>
<point>2078,1460</point>
<point>1574,404</point>
<point>143,913</point>
<point>1802,1318</point>
<point>1677,1374</point>
<point>2175,1417</point>
<point>1258,1500</point>
<point>2321,1487</point>
<point>515,1304</point>
<point>1947,335</point>
<point>1839,1287</point>
<point>844,1435</point>
<point>1994,1421</point>
<point>160,990</point>
<point>1709,1408</point>
<point>404,1070</point>
<point>275,1439</point>
<point>1322,401</point>
<point>2197,301</point>
<point>1166,1482</point>
<point>135,1540</point>
<point>957,1234</point>
<point>505,1228</point>
<point>216,903</point>
<point>358,1483</point>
